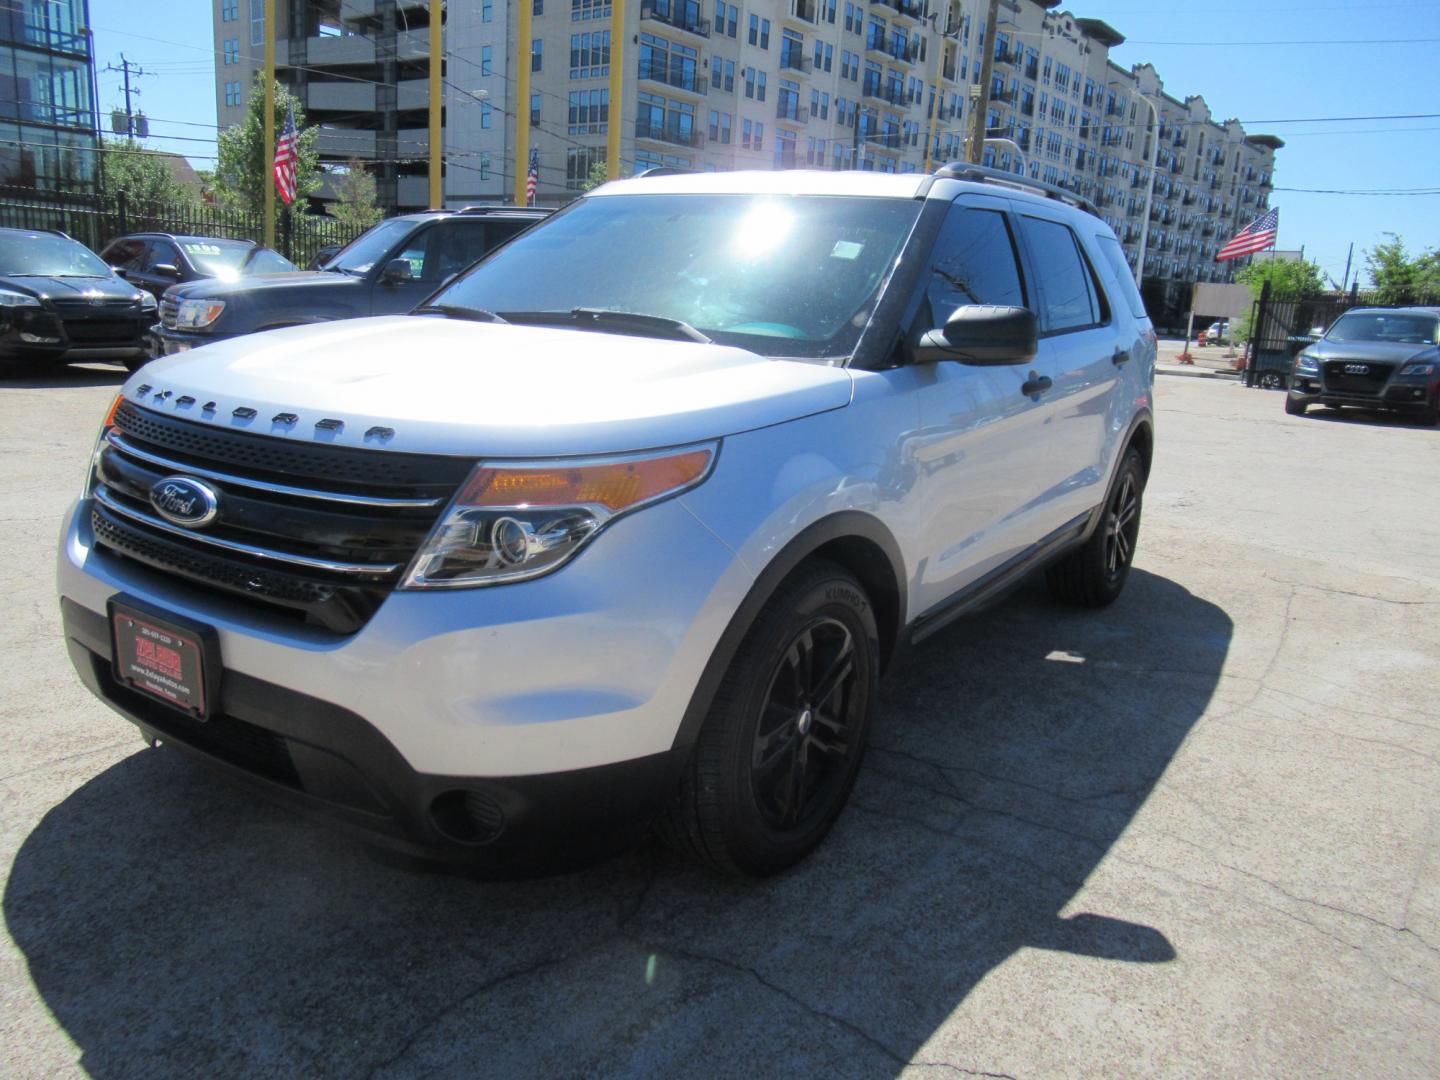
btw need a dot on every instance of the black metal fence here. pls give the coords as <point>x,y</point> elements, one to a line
<point>95,220</point>
<point>1279,329</point>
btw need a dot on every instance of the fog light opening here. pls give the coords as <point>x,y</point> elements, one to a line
<point>467,817</point>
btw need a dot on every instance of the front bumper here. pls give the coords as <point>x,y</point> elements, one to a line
<point>176,341</point>
<point>1399,395</point>
<point>38,334</point>
<point>526,694</point>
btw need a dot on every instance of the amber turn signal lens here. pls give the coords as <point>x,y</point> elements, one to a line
<point>615,485</point>
<point>109,421</point>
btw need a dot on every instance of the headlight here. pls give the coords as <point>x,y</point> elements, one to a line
<point>517,520</point>
<point>1307,364</point>
<point>1426,368</point>
<point>9,298</point>
<point>148,302</point>
<point>198,314</point>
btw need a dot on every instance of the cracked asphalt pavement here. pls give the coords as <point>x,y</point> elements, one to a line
<point>1194,834</point>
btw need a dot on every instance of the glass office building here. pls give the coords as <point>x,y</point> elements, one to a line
<point>48,134</point>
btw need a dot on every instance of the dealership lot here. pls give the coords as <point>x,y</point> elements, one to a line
<point>1193,834</point>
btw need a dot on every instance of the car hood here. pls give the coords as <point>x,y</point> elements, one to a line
<point>256,283</point>
<point>482,389</point>
<point>1387,352</point>
<point>73,288</point>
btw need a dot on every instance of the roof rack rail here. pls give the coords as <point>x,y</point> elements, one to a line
<point>983,174</point>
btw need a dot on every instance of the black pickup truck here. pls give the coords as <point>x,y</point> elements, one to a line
<point>386,271</point>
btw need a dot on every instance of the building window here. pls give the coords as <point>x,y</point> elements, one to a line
<point>232,94</point>
<point>485,110</point>
<point>537,54</point>
<point>487,58</point>
<point>720,127</point>
<point>487,11</point>
<point>726,18</point>
<point>759,32</point>
<point>535,110</point>
<point>784,149</point>
<point>579,161</point>
<point>580,10</point>
<point>538,7</point>
<point>257,22</point>
<point>590,54</point>
<point>232,50</point>
<point>589,112</point>
<point>230,11</point>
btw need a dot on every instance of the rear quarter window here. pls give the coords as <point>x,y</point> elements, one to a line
<point>1117,270</point>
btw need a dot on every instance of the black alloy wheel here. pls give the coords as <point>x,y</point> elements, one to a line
<point>1122,526</point>
<point>802,739</point>
<point>1094,574</point>
<point>784,735</point>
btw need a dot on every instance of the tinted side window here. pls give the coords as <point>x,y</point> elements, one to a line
<point>1067,292</point>
<point>1114,254</point>
<point>126,254</point>
<point>974,263</point>
<point>162,253</point>
<point>444,249</point>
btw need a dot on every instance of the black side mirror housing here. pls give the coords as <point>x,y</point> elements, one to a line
<point>120,271</point>
<point>397,270</point>
<point>167,270</point>
<point>982,334</point>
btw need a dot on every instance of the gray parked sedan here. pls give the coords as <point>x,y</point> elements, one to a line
<point>1373,358</point>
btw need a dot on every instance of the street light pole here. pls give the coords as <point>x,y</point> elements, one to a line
<point>1149,190</point>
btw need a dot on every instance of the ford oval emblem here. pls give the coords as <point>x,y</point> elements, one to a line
<point>185,501</point>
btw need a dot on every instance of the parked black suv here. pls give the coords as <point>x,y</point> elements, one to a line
<point>156,261</point>
<point>1373,358</point>
<point>385,271</point>
<point>59,301</point>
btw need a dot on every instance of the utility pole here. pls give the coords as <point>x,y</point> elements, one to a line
<point>938,95</point>
<point>976,149</point>
<point>524,49</point>
<point>125,68</point>
<point>1345,281</point>
<point>267,145</point>
<point>437,134</point>
<point>617,89</point>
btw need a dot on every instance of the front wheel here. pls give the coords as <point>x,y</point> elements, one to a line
<point>1430,415</point>
<point>1294,407</point>
<point>782,742</point>
<point>1094,574</point>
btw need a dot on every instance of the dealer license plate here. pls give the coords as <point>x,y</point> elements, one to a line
<point>160,658</point>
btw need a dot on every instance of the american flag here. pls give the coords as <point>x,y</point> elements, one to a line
<point>287,152</point>
<point>532,178</point>
<point>1257,236</point>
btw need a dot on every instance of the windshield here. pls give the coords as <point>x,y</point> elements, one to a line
<point>265,261</point>
<point>1409,329</point>
<point>226,259</point>
<point>785,276</point>
<point>47,255</point>
<point>365,250</point>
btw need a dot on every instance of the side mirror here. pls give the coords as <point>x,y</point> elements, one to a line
<point>167,270</point>
<point>982,334</point>
<point>120,271</point>
<point>397,270</point>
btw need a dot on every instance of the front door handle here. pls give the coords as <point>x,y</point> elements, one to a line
<point>1036,384</point>
<point>1120,356</point>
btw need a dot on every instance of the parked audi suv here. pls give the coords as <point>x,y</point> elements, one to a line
<point>1373,358</point>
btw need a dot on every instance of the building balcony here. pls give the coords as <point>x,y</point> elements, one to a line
<point>658,72</point>
<point>791,112</point>
<point>794,60</point>
<point>878,42</point>
<point>668,133</point>
<point>909,9</point>
<point>673,16</point>
<point>341,97</point>
<point>345,143</point>
<point>1005,96</point>
<point>1012,57</point>
<point>1032,71</point>
<point>874,88</point>
<point>804,11</point>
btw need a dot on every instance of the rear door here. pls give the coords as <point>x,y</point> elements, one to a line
<point>1080,353</point>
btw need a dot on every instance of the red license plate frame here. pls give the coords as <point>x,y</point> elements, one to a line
<point>172,660</point>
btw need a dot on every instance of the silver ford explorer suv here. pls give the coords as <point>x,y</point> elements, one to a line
<point>621,527</point>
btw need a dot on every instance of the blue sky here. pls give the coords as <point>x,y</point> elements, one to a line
<point>1202,46</point>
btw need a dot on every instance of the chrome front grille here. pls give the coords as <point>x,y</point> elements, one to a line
<point>168,309</point>
<point>318,530</point>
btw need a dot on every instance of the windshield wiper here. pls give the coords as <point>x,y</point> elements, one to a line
<point>459,311</point>
<point>629,322</point>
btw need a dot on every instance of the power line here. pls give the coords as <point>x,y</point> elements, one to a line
<point>1276,44</point>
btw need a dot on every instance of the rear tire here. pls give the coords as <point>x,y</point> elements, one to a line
<point>1295,408</point>
<point>1093,575</point>
<point>782,742</point>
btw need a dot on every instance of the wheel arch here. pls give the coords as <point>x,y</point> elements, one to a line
<point>856,541</point>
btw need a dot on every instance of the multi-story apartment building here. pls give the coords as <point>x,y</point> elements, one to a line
<point>48,134</point>
<point>834,84</point>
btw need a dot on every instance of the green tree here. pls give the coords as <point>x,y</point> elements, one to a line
<point>354,203</point>
<point>1290,279</point>
<point>245,163</point>
<point>144,175</point>
<point>599,174</point>
<point>1400,278</point>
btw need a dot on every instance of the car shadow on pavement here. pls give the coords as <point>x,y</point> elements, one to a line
<point>1368,417</point>
<point>61,376</point>
<point>175,926</point>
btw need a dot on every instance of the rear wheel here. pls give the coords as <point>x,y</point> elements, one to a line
<point>781,745</point>
<point>1094,574</point>
<point>1294,407</point>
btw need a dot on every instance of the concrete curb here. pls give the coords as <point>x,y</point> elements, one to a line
<point>1186,371</point>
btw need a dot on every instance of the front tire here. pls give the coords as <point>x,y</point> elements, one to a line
<point>1093,575</point>
<point>1430,415</point>
<point>781,745</point>
<point>1295,408</point>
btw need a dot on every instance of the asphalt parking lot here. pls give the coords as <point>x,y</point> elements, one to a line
<point>1195,834</point>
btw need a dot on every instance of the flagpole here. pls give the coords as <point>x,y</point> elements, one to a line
<point>268,154</point>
